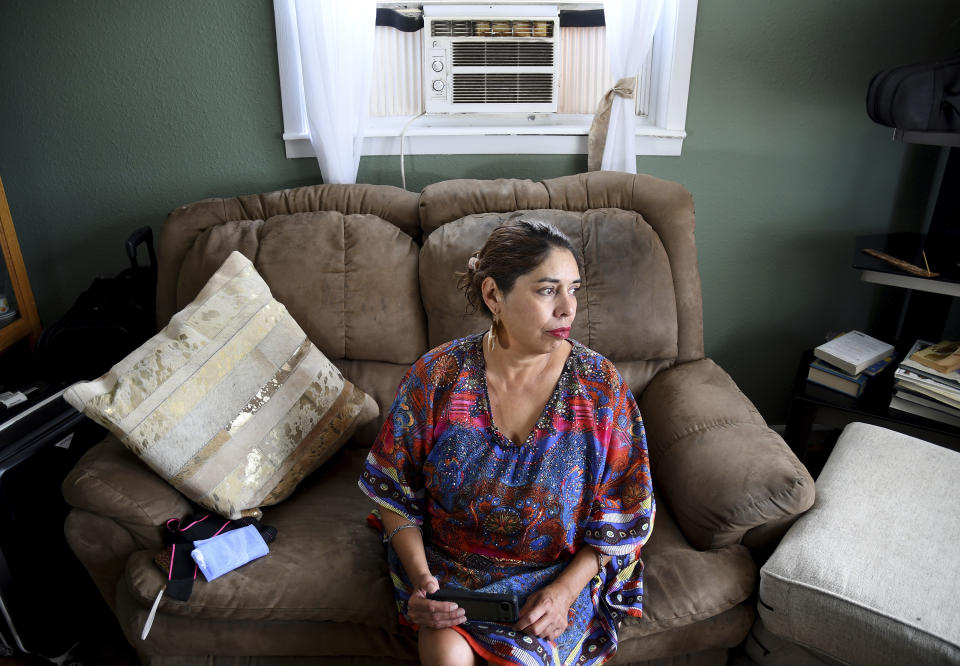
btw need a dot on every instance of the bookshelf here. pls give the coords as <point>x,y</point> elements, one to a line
<point>910,247</point>
<point>925,315</point>
<point>928,299</point>
<point>15,285</point>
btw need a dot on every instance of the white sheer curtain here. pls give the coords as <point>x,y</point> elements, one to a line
<point>336,63</point>
<point>630,25</point>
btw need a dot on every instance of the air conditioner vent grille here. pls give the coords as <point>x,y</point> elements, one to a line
<point>491,28</point>
<point>503,54</point>
<point>502,88</point>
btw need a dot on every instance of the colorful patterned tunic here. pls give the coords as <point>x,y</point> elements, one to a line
<point>501,517</point>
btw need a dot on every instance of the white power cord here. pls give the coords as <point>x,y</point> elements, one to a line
<point>403,172</point>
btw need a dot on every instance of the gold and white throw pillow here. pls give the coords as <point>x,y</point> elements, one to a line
<point>230,403</point>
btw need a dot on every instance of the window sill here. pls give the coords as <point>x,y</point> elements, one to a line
<point>489,134</point>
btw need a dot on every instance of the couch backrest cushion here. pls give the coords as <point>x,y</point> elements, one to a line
<point>452,199</point>
<point>663,207</point>
<point>379,380</point>
<point>626,309</point>
<point>350,281</point>
<point>642,307</point>
<point>185,224</point>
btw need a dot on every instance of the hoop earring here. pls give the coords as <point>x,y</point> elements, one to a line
<point>492,334</point>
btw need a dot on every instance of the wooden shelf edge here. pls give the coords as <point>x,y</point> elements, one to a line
<point>29,322</point>
<point>14,332</point>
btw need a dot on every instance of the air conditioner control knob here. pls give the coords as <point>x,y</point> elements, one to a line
<point>437,65</point>
<point>437,85</point>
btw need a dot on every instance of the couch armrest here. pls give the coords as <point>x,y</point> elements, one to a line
<point>103,548</point>
<point>110,481</point>
<point>727,477</point>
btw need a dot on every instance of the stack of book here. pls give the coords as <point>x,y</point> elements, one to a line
<point>927,382</point>
<point>846,362</point>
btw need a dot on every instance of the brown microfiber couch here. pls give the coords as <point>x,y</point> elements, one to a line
<point>367,271</point>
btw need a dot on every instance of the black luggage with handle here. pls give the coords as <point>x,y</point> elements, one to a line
<point>108,321</point>
<point>924,97</point>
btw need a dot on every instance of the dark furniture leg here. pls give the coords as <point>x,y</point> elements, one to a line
<point>799,425</point>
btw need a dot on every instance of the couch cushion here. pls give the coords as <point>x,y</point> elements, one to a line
<point>452,199</point>
<point>380,380</point>
<point>681,645</point>
<point>626,308</point>
<point>693,599</point>
<point>186,223</point>
<point>230,402</point>
<point>183,640</point>
<point>324,527</point>
<point>666,206</point>
<point>683,585</point>
<point>350,281</point>
<point>109,480</point>
<point>870,574</point>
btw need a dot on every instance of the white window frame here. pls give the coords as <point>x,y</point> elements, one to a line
<point>660,133</point>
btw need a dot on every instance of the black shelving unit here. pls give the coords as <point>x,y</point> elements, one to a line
<point>926,312</point>
<point>813,404</point>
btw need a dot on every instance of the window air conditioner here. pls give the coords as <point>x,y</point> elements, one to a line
<point>490,58</point>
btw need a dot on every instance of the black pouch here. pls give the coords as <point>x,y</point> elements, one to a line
<point>924,97</point>
<point>175,561</point>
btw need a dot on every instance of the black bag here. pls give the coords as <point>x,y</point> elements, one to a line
<point>49,601</point>
<point>924,97</point>
<point>107,321</point>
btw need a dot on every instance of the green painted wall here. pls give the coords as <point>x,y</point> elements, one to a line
<point>113,112</point>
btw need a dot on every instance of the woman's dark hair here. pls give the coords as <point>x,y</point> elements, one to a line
<point>512,250</point>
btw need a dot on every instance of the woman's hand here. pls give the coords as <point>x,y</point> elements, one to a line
<point>545,614</point>
<point>432,614</point>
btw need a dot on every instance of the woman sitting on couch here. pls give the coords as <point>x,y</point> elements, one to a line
<point>520,458</point>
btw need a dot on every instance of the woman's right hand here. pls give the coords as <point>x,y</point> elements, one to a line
<point>433,614</point>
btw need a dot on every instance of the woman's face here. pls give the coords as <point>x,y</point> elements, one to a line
<point>538,312</point>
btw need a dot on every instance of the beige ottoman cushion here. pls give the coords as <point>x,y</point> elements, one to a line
<point>870,575</point>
